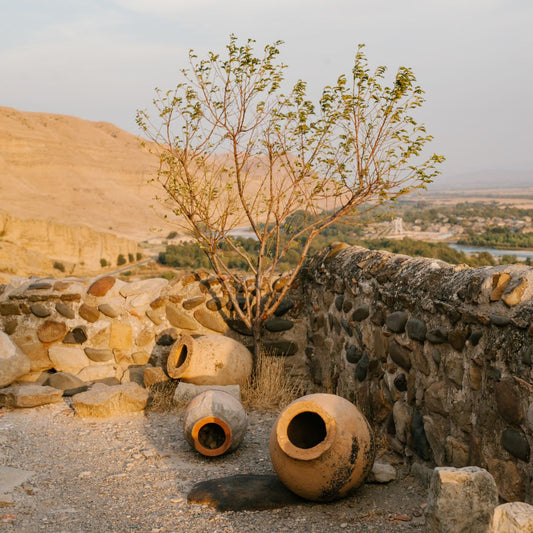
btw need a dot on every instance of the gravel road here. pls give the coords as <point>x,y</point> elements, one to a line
<point>133,473</point>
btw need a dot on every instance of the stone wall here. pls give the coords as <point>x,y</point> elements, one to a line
<point>107,329</point>
<point>437,356</point>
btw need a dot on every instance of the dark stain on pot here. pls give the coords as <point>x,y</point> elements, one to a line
<point>339,479</point>
<point>355,450</point>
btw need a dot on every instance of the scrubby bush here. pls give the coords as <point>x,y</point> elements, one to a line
<point>59,266</point>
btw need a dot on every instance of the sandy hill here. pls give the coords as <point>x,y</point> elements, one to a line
<point>75,172</point>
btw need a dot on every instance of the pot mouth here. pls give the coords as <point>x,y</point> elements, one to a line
<point>305,431</point>
<point>211,436</point>
<point>179,357</point>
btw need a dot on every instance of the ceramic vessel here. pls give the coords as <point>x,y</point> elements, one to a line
<point>214,423</point>
<point>209,360</point>
<point>322,447</point>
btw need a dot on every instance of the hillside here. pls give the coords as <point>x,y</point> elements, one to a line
<point>75,172</point>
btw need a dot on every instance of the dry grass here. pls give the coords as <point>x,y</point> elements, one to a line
<point>272,387</point>
<point>162,396</point>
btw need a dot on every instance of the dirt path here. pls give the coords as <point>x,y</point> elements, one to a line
<point>133,473</point>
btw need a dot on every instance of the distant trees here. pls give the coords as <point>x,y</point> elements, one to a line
<point>121,260</point>
<point>499,237</point>
<point>236,149</point>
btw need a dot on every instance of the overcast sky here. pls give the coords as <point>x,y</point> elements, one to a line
<point>101,59</point>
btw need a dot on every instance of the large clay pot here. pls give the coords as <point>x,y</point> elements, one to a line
<point>321,447</point>
<point>214,423</point>
<point>209,360</point>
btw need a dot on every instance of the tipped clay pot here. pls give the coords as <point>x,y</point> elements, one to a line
<point>209,360</point>
<point>321,447</point>
<point>214,423</point>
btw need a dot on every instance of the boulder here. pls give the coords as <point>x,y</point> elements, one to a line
<point>515,517</point>
<point>68,383</point>
<point>13,363</point>
<point>103,401</point>
<point>460,499</point>
<point>29,395</point>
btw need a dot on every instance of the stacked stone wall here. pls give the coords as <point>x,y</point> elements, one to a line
<point>438,357</point>
<point>107,329</point>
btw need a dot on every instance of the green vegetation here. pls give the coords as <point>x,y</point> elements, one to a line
<point>121,260</point>
<point>358,144</point>
<point>131,258</point>
<point>139,256</point>
<point>190,255</point>
<point>498,238</point>
<point>103,262</point>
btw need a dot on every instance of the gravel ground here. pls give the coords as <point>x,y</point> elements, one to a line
<point>133,473</point>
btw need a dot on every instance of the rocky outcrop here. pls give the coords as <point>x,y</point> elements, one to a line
<point>75,246</point>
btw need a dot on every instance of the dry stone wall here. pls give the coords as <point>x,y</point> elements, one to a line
<point>106,329</point>
<point>438,357</point>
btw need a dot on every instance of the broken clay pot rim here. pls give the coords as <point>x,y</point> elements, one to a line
<point>211,452</point>
<point>305,405</point>
<point>183,341</point>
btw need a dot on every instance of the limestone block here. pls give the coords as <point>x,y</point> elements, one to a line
<point>69,359</point>
<point>26,339</point>
<point>381,473</point>
<point>13,362</point>
<point>121,336</point>
<point>110,401</point>
<point>29,395</point>
<point>460,500</point>
<point>153,375</point>
<point>139,300</point>
<point>210,320</point>
<point>141,357</point>
<point>151,286</point>
<point>515,517</point>
<point>97,371</point>
<point>180,319</point>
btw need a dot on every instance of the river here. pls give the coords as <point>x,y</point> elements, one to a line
<point>469,250</point>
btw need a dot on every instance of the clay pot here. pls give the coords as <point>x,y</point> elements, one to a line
<point>321,447</point>
<point>214,423</point>
<point>209,360</point>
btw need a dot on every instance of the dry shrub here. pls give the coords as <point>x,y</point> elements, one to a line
<point>271,388</point>
<point>162,396</point>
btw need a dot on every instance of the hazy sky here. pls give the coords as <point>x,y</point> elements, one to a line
<point>101,59</point>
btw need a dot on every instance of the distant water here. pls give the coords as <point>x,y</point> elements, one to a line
<point>469,250</point>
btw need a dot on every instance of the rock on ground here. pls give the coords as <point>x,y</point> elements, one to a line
<point>514,517</point>
<point>460,500</point>
<point>104,401</point>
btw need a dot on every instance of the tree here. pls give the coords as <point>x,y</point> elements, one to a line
<point>236,150</point>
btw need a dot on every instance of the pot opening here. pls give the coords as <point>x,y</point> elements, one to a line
<point>306,430</point>
<point>181,355</point>
<point>212,436</point>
